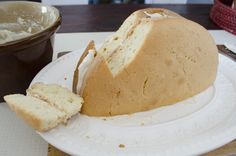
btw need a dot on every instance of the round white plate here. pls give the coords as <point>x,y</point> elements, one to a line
<point>194,126</point>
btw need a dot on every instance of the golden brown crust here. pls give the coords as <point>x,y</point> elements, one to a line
<point>98,66</point>
<point>177,60</point>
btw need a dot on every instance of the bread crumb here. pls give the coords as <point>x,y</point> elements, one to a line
<point>116,38</point>
<point>87,136</point>
<point>121,145</point>
<point>104,119</point>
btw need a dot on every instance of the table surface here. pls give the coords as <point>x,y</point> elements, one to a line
<point>100,18</point>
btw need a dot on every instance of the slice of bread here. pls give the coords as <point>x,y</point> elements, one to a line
<point>59,97</point>
<point>35,112</point>
<point>45,106</point>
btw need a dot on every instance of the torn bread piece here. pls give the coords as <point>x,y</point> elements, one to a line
<point>45,106</point>
<point>35,112</point>
<point>59,97</point>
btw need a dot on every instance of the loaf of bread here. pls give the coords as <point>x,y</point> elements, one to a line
<point>156,58</point>
<point>45,106</point>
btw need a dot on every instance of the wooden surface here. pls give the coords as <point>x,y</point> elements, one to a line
<point>97,18</point>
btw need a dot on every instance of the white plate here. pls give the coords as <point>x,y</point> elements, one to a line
<point>194,126</point>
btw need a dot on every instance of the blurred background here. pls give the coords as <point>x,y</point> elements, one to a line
<point>79,2</point>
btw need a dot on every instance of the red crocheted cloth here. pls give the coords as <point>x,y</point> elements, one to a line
<point>224,15</point>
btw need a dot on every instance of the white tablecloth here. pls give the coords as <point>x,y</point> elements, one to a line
<point>16,138</point>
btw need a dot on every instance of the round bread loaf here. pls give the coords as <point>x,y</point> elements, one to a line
<point>156,58</point>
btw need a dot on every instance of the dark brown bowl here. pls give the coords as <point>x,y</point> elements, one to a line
<point>21,58</point>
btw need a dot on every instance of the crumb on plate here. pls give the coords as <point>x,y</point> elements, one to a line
<point>121,145</point>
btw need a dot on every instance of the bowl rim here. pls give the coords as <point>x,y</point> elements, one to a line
<point>52,27</point>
